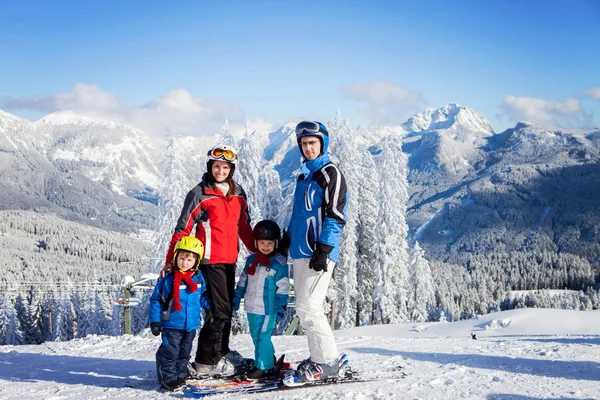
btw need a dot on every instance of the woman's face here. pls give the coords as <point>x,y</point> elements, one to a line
<point>220,170</point>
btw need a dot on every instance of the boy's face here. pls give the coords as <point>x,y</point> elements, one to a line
<point>266,246</point>
<point>186,260</point>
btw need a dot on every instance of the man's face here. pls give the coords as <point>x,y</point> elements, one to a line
<point>311,147</point>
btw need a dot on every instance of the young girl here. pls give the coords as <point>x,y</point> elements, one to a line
<point>265,286</point>
<point>175,310</point>
<point>218,208</point>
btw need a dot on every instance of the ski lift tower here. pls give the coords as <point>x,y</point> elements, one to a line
<point>146,282</point>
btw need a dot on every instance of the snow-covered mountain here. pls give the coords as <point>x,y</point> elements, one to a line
<point>121,157</point>
<point>445,143</point>
<point>466,182</point>
<point>82,169</point>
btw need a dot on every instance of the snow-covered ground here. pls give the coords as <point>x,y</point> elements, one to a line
<point>518,355</point>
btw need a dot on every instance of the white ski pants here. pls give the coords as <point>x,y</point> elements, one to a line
<point>310,288</point>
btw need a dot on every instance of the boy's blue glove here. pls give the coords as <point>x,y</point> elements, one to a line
<point>155,328</point>
<point>205,303</point>
<point>236,304</point>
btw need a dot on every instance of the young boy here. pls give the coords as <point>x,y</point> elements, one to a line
<point>175,307</point>
<point>264,284</point>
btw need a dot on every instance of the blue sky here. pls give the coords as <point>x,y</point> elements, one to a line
<point>182,66</point>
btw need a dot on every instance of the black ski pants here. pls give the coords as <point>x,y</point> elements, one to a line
<point>213,342</point>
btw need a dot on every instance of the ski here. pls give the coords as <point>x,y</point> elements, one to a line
<point>198,393</point>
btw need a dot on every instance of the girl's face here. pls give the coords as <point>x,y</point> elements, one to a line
<point>220,170</point>
<point>265,246</point>
<point>186,260</point>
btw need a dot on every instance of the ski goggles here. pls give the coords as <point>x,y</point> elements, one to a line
<point>310,127</point>
<point>228,155</point>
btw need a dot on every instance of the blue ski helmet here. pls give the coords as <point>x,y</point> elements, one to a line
<point>313,128</point>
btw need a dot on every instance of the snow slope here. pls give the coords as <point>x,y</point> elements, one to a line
<point>539,354</point>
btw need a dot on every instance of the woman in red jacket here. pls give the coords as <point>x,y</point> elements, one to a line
<point>218,208</point>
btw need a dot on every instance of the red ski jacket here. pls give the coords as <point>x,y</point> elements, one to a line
<point>219,222</point>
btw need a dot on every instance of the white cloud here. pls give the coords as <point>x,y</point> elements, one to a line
<point>386,102</point>
<point>594,93</point>
<point>567,113</point>
<point>177,112</point>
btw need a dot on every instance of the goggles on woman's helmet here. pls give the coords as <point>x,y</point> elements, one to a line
<point>223,153</point>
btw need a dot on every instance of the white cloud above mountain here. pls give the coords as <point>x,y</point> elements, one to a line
<point>178,112</point>
<point>386,103</point>
<point>593,92</point>
<point>566,113</point>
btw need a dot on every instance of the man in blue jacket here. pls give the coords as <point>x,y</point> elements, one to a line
<point>175,310</point>
<point>318,216</point>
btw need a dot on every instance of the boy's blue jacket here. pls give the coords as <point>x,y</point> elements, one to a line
<point>161,303</point>
<point>319,210</point>
<point>266,292</point>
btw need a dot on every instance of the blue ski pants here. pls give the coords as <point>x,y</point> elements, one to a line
<point>261,327</point>
<point>173,354</point>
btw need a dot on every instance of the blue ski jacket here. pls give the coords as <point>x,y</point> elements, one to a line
<point>192,304</point>
<point>319,210</point>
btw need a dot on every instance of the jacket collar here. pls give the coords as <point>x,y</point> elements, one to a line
<point>309,167</point>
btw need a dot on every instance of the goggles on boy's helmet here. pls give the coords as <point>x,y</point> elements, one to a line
<point>223,153</point>
<point>191,244</point>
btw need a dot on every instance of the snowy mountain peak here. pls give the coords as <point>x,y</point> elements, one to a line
<point>73,118</point>
<point>452,116</point>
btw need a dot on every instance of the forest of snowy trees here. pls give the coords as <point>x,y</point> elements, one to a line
<point>61,279</point>
<point>382,277</point>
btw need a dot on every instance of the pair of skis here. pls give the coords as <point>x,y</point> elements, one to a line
<point>286,379</point>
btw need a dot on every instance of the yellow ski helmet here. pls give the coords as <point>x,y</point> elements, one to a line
<point>191,244</point>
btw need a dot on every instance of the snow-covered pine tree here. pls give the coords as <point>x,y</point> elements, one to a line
<point>368,263</point>
<point>247,173</point>
<point>96,316</point>
<point>14,336</point>
<point>226,136</point>
<point>4,318</point>
<point>173,189</point>
<point>342,293</point>
<point>421,292</point>
<point>392,288</point>
<point>61,318</point>
<point>115,325</point>
<point>78,311</point>
<point>271,199</point>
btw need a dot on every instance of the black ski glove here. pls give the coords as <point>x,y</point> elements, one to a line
<point>155,328</point>
<point>284,244</point>
<point>318,262</point>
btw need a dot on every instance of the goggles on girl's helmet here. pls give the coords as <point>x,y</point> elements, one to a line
<point>223,153</point>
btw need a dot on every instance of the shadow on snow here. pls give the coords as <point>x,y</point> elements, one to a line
<point>579,370</point>
<point>102,372</point>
